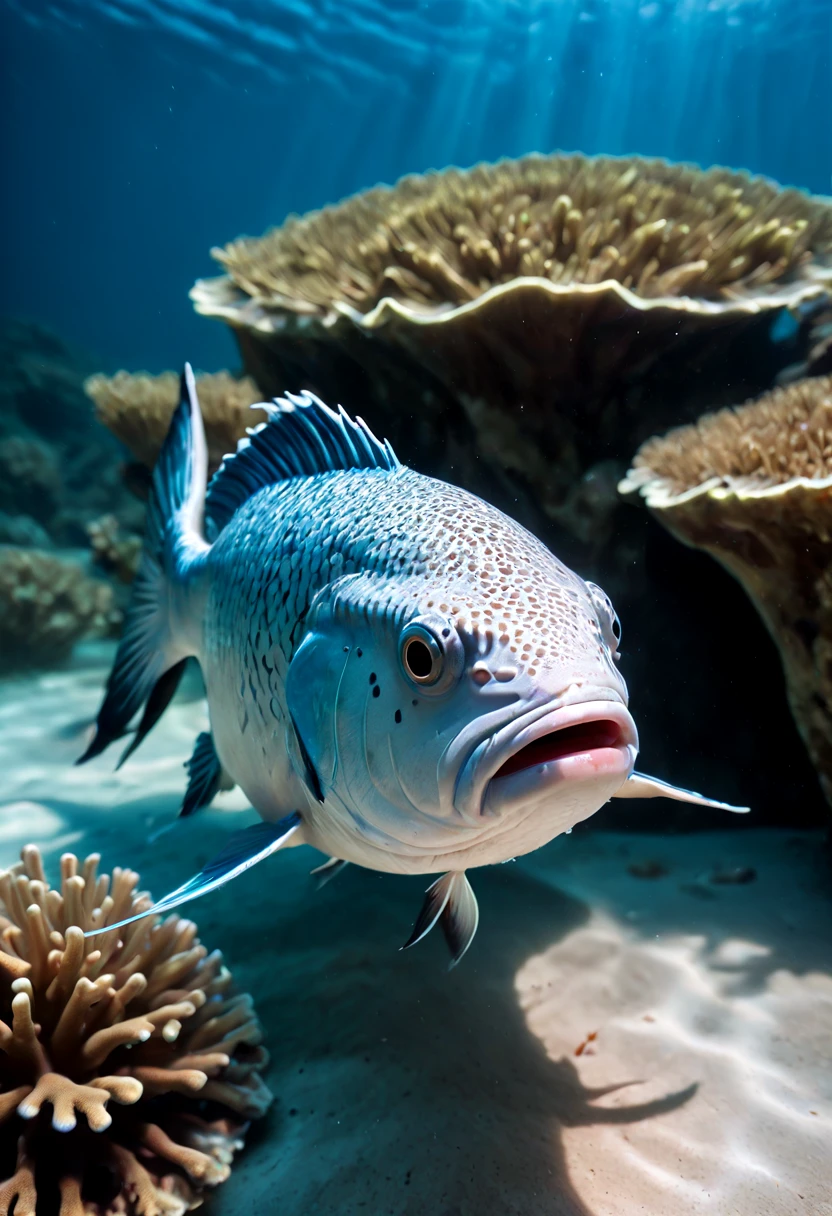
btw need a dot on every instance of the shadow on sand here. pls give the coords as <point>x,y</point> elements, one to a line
<point>400,1087</point>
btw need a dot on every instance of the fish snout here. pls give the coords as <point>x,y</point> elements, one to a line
<point>578,754</point>
<point>586,738</point>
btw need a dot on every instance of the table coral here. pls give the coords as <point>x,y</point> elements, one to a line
<point>47,604</point>
<point>753,487</point>
<point>137,408</point>
<point>658,229</point>
<point>496,323</point>
<point>129,1066</point>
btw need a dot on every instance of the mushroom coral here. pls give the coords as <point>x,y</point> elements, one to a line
<point>128,1065</point>
<point>753,487</point>
<point>137,408</point>
<point>515,303</point>
<point>47,604</point>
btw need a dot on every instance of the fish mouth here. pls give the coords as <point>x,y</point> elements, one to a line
<point>565,743</point>
<point>589,742</point>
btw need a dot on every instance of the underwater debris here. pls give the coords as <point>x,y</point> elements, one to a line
<point>130,1066</point>
<point>489,320</point>
<point>47,604</point>
<point>137,408</point>
<point>753,487</point>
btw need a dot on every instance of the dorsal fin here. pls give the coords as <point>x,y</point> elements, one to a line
<point>302,437</point>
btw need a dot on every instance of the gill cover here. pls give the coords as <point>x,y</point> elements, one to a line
<point>313,690</point>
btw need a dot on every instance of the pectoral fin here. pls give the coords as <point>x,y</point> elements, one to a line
<point>205,776</point>
<point>640,786</point>
<point>329,870</point>
<point>244,850</point>
<point>452,902</point>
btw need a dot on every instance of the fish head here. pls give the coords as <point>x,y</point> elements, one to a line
<point>464,710</point>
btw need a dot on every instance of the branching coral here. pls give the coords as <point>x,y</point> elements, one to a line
<point>753,487</point>
<point>47,604</point>
<point>500,323</point>
<point>129,1067</point>
<point>138,409</point>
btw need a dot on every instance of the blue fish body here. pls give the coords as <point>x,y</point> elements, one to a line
<point>397,673</point>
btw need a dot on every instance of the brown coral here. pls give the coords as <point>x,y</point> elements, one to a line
<point>753,487</point>
<point>492,321</point>
<point>137,408</point>
<point>47,604</point>
<point>128,1066</point>
<point>116,552</point>
<point>657,229</point>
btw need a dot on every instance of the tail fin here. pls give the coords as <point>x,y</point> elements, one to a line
<point>151,655</point>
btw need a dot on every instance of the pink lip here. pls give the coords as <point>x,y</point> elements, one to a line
<point>567,743</point>
<point>583,742</point>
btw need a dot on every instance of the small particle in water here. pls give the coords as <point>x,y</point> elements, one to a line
<point>581,1049</point>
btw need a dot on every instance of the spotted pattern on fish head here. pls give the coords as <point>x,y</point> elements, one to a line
<point>442,578</point>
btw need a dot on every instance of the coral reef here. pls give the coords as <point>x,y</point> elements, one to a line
<point>47,604</point>
<point>41,385</point>
<point>57,467</point>
<point>753,487</point>
<point>137,408</point>
<point>659,230</point>
<point>29,477</point>
<point>116,552</point>
<point>17,529</point>
<point>129,1066</point>
<point>819,361</point>
<point>500,324</point>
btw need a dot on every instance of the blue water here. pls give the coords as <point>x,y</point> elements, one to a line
<point>139,133</point>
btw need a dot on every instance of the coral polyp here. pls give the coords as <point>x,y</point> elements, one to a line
<point>129,1066</point>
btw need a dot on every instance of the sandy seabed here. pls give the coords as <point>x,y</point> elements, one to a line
<point>611,1045</point>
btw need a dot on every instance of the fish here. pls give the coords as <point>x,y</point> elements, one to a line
<point>397,673</point>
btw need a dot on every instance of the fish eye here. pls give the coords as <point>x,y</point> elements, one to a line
<point>422,658</point>
<point>607,617</point>
<point>431,654</point>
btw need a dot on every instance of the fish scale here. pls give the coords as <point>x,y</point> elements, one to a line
<point>397,673</point>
